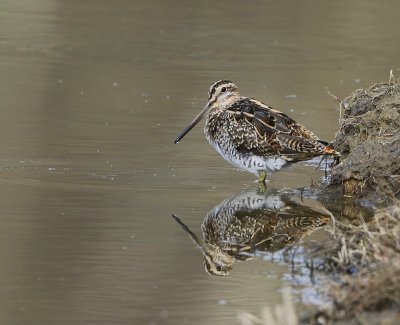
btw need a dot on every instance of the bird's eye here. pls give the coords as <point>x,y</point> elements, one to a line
<point>223,89</point>
<point>218,267</point>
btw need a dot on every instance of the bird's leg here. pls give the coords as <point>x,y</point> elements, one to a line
<point>262,177</point>
<point>262,184</point>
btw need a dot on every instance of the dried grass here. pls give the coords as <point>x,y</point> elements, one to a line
<point>366,262</point>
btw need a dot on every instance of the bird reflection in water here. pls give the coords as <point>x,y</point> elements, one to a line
<point>252,222</point>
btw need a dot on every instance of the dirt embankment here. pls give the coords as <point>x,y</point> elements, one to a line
<point>363,258</point>
<point>369,141</point>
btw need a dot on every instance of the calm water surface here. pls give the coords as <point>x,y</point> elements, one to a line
<point>93,94</point>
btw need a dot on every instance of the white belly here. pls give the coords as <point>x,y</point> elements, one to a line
<point>252,163</point>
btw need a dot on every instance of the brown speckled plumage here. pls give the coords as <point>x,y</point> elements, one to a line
<point>253,136</point>
<point>252,222</point>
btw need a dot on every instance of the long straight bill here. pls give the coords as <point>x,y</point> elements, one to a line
<point>192,124</point>
<point>199,243</point>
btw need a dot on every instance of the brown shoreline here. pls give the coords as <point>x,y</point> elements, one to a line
<point>364,254</point>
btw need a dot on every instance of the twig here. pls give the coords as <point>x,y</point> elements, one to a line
<point>337,100</point>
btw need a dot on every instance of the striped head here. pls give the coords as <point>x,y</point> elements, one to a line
<point>221,95</point>
<point>216,261</point>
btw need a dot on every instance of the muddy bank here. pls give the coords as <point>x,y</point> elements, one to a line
<point>369,141</point>
<point>362,260</point>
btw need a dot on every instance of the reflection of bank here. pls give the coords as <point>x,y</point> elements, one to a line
<point>251,222</point>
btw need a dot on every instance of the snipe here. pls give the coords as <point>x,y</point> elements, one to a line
<point>250,223</point>
<point>253,136</point>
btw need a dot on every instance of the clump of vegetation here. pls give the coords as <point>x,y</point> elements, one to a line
<point>365,262</point>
